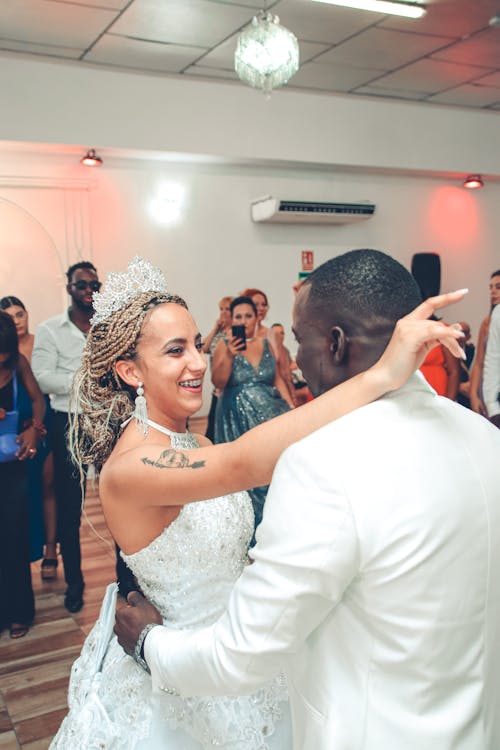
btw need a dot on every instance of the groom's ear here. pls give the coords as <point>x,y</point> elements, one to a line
<point>338,344</point>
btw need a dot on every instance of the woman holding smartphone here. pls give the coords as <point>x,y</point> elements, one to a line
<point>244,368</point>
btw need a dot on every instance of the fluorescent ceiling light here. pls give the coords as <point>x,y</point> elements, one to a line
<point>407,9</point>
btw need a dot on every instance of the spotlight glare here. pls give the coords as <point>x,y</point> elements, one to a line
<point>166,207</point>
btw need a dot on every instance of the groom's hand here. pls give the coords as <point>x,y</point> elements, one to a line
<point>133,618</point>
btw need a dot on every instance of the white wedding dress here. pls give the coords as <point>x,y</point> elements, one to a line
<point>187,573</point>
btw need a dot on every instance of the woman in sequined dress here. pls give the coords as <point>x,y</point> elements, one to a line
<point>186,555</point>
<point>252,388</point>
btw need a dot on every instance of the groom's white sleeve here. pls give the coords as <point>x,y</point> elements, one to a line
<point>306,556</point>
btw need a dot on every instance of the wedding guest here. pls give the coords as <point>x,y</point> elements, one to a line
<point>476,377</point>
<point>42,505</point>
<point>59,343</point>
<point>222,327</point>
<point>261,303</point>
<point>491,375</point>
<point>57,352</point>
<point>259,298</point>
<point>442,372</point>
<point>17,445</point>
<point>469,349</point>
<point>252,388</point>
<point>284,360</point>
<point>17,310</point>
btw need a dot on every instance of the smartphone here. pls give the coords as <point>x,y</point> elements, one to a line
<point>239,333</point>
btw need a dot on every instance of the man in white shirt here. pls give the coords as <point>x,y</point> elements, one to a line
<point>373,584</point>
<point>491,371</point>
<point>57,351</point>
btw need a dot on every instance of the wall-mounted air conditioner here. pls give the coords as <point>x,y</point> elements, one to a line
<point>270,209</point>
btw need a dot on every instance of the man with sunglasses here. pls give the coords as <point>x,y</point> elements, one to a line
<point>58,347</point>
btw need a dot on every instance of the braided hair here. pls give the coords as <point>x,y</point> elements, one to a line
<point>101,401</point>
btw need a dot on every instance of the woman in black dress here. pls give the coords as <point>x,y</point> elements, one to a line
<point>18,443</point>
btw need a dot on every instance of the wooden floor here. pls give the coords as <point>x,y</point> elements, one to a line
<point>34,670</point>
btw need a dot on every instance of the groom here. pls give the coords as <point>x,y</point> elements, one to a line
<point>374,586</point>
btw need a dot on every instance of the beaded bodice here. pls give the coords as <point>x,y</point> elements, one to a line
<point>188,571</point>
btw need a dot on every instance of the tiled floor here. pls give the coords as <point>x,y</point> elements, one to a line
<point>34,670</point>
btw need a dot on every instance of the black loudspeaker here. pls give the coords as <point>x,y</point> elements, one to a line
<point>426,270</point>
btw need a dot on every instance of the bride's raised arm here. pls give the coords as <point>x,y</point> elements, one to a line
<point>174,477</point>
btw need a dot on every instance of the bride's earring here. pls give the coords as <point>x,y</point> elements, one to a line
<point>141,412</point>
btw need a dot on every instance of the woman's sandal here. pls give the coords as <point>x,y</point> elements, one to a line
<point>18,629</point>
<point>48,570</point>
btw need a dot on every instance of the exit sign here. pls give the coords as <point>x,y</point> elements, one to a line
<point>307,260</point>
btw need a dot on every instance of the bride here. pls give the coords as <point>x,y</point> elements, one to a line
<point>144,346</point>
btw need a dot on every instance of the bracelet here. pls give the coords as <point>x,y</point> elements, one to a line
<point>138,654</point>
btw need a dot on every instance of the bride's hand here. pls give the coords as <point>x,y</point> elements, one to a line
<point>414,336</point>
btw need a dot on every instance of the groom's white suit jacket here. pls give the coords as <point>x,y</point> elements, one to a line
<point>375,587</point>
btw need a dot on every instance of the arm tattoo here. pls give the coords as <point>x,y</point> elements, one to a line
<point>172,459</point>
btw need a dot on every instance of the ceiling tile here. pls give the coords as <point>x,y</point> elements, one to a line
<point>481,49</point>
<point>135,53</point>
<point>341,49</point>
<point>382,49</point>
<point>389,93</point>
<point>221,56</point>
<point>451,18</point>
<point>493,79</point>
<point>47,22</point>
<point>197,70</point>
<point>254,4</point>
<point>109,4</point>
<point>308,50</point>
<point>318,22</point>
<point>330,77</point>
<point>40,49</point>
<point>198,23</point>
<point>430,76</point>
<point>469,95</point>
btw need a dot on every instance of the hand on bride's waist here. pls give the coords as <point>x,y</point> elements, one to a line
<point>131,620</point>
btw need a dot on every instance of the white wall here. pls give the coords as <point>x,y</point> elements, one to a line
<point>215,249</point>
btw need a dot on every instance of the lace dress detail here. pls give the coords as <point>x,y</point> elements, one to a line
<point>187,572</point>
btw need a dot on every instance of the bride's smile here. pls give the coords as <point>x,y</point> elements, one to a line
<point>192,385</point>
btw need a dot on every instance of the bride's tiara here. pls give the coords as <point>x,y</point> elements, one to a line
<point>120,288</point>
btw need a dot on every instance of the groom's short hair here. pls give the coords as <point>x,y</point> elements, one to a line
<point>365,285</point>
